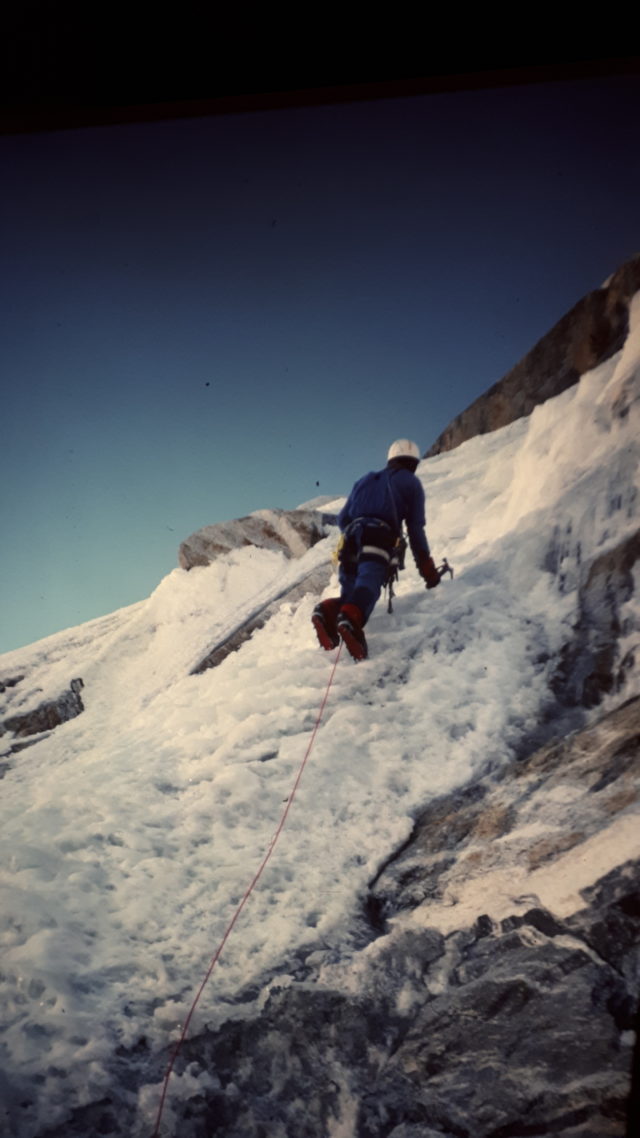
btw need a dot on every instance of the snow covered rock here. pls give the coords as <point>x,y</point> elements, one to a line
<point>31,718</point>
<point>499,983</point>
<point>531,829</point>
<point>292,532</point>
<point>595,662</point>
<point>47,715</point>
<point>289,531</point>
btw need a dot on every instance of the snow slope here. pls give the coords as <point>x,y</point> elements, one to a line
<point>130,834</point>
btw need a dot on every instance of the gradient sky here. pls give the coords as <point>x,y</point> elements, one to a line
<point>207,316</point>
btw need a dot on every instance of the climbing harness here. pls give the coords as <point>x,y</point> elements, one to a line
<point>258,874</point>
<point>366,537</point>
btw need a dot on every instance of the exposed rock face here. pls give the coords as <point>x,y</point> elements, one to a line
<point>511,834</point>
<point>9,682</point>
<point>591,664</point>
<point>46,715</point>
<point>288,531</point>
<point>494,992</point>
<point>590,333</point>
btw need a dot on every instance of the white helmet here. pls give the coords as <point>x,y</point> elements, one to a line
<point>403,448</point>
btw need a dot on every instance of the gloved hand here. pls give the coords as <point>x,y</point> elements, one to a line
<point>428,571</point>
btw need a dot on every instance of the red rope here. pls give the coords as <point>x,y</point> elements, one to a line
<point>217,954</point>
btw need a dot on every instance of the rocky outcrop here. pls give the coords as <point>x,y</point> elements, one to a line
<point>46,715</point>
<point>291,532</point>
<point>531,1036</point>
<point>10,682</point>
<point>495,989</point>
<point>590,333</point>
<point>592,664</point>
<point>506,835</point>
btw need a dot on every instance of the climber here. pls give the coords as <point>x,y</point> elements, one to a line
<point>371,524</point>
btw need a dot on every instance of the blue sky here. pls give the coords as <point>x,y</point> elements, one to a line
<point>203,317</point>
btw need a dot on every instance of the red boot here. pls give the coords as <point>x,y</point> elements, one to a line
<point>349,624</point>
<point>324,618</point>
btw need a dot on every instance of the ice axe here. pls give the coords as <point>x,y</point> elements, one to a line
<point>440,570</point>
<point>393,576</point>
<point>444,568</point>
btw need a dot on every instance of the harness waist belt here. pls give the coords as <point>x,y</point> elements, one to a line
<point>377,551</point>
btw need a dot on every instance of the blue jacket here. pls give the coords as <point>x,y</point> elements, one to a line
<point>394,495</point>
